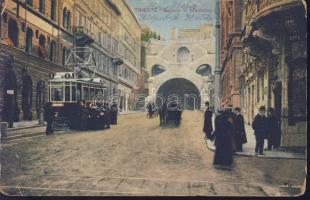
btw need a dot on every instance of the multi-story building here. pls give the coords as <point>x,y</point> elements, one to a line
<point>204,32</point>
<point>41,34</point>
<point>113,33</point>
<point>33,34</point>
<point>231,52</point>
<point>275,64</point>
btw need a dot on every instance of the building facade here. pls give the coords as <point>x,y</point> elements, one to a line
<point>181,67</point>
<point>32,38</point>
<point>275,64</point>
<point>231,52</point>
<point>38,37</point>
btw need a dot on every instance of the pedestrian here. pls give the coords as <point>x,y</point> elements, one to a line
<point>162,113</point>
<point>223,155</point>
<point>260,129</point>
<point>178,116</point>
<point>150,110</point>
<point>107,116</point>
<point>240,134</point>
<point>207,125</point>
<point>113,113</point>
<point>84,114</point>
<point>49,116</point>
<point>91,117</point>
<point>273,130</point>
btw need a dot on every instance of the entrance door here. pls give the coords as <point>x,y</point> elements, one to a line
<point>26,96</point>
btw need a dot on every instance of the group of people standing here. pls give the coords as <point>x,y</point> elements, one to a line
<point>88,116</point>
<point>229,133</point>
<point>166,113</point>
<point>97,117</point>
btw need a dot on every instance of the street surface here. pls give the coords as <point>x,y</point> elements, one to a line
<point>137,157</point>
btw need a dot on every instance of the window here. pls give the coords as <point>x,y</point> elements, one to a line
<point>64,56</point>
<point>183,55</point>
<point>29,35</point>
<point>13,32</point>
<point>42,6</point>
<point>42,50</point>
<point>53,51</point>
<point>53,9</point>
<point>64,17</point>
<point>69,20</point>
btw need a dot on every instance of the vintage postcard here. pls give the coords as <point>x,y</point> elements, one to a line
<point>153,98</point>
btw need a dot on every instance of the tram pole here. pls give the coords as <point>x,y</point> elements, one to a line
<point>217,71</point>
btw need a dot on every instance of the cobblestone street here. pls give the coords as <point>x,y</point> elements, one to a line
<point>137,157</point>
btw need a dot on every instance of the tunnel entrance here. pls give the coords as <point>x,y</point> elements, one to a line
<point>182,90</point>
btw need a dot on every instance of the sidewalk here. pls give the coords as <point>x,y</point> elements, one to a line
<point>249,148</point>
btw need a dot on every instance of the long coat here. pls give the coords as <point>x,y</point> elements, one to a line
<point>223,147</point>
<point>207,125</point>
<point>274,130</point>
<point>84,113</point>
<point>240,134</point>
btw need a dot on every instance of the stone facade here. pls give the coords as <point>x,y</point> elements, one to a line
<point>180,59</point>
<point>117,35</point>
<point>231,52</point>
<point>33,34</point>
<point>275,66</point>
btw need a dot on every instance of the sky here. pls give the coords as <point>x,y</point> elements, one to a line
<point>162,15</point>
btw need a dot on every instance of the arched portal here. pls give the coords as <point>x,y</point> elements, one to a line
<point>183,90</point>
<point>26,95</point>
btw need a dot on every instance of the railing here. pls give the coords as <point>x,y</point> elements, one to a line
<point>81,30</point>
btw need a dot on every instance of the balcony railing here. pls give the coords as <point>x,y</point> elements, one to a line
<point>83,35</point>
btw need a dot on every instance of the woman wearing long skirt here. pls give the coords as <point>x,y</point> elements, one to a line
<point>223,155</point>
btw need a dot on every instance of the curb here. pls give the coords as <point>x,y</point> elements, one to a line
<point>212,148</point>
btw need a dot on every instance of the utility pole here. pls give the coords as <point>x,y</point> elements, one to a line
<point>217,71</point>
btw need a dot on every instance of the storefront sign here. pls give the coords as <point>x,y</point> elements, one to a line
<point>10,92</point>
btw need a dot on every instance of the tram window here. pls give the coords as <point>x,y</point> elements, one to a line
<point>74,93</point>
<point>86,93</point>
<point>92,93</point>
<point>79,92</point>
<point>67,93</point>
<point>57,94</point>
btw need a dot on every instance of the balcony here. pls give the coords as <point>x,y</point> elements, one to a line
<point>258,9</point>
<point>83,36</point>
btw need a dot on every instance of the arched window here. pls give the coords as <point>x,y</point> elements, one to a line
<point>64,17</point>
<point>157,69</point>
<point>13,32</point>
<point>42,6</point>
<point>69,19</point>
<point>64,55</point>
<point>29,35</point>
<point>53,51</point>
<point>53,9</point>
<point>204,70</point>
<point>183,55</point>
<point>42,49</point>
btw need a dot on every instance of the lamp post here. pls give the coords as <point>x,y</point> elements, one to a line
<point>217,71</point>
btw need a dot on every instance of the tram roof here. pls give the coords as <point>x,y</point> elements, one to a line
<point>95,81</point>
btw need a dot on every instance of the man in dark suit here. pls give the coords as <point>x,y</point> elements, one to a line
<point>207,125</point>
<point>260,129</point>
<point>49,116</point>
<point>240,134</point>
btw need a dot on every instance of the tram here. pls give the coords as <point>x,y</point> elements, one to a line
<point>65,92</point>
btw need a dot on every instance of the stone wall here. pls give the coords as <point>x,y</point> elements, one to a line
<point>38,69</point>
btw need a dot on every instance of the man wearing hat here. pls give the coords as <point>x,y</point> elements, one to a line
<point>260,129</point>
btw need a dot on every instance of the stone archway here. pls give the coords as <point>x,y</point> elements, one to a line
<point>182,89</point>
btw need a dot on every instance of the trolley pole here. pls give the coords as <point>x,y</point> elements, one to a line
<point>217,71</point>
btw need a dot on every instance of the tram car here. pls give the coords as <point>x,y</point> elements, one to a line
<point>65,92</point>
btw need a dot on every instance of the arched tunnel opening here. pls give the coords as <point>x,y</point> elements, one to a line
<point>181,90</point>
